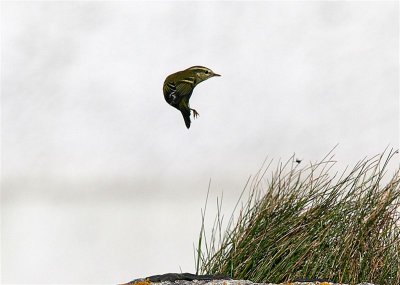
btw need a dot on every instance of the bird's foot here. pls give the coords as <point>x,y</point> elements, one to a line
<point>195,113</point>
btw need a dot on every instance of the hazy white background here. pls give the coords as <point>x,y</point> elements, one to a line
<point>102,182</point>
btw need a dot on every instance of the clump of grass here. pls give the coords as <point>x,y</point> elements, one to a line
<point>311,222</point>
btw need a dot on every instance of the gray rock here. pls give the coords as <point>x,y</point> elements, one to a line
<point>192,279</point>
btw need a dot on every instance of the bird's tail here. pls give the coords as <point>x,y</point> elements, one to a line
<point>186,117</point>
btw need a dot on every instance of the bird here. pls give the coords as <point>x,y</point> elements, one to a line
<point>178,88</point>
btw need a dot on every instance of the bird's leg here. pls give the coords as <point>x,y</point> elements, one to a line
<point>195,113</point>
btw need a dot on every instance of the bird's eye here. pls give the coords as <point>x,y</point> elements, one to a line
<point>206,71</point>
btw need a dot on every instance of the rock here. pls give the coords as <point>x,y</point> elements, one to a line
<point>193,279</point>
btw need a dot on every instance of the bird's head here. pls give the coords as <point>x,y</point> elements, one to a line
<point>202,73</point>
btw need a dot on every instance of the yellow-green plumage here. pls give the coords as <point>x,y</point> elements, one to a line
<point>178,88</point>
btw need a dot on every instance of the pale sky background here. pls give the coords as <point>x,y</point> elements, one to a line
<point>101,180</point>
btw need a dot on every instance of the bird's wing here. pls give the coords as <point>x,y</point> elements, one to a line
<point>169,88</point>
<point>173,90</point>
<point>185,86</point>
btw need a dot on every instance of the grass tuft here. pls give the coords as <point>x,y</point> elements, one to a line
<point>310,222</point>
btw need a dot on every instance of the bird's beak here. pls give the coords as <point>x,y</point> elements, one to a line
<point>216,74</point>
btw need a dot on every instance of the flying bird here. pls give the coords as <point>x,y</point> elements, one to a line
<point>178,88</point>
